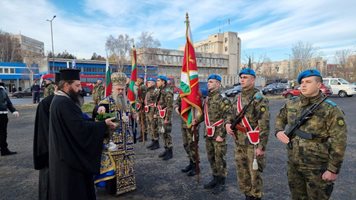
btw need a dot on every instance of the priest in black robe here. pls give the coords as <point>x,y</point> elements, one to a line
<point>75,144</point>
<point>40,143</point>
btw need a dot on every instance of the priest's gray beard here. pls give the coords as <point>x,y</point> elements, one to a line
<point>120,100</point>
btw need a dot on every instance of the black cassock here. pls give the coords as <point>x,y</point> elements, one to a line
<point>75,147</point>
<point>40,145</point>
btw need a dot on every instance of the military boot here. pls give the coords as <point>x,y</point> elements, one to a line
<point>161,155</point>
<point>169,154</point>
<point>150,145</point>
<point>212,183</point>
<point>188,167</point>
<point>155,145</point>
<point>220,187</point>
<point>192,172</point>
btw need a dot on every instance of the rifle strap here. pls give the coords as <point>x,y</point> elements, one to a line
<point>245,122</point>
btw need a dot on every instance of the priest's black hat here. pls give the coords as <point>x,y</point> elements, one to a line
<point>70,74</point>
<point>57,77</point>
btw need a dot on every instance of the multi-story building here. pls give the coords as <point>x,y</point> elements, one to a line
<point>220,53</point>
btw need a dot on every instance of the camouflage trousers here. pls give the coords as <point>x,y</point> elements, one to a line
<point>189,143</point>
<point>152,126</point>
<point>216,152</point>
<point>165,132</point>
<point>250,180</point>
<point>305,183</point>
<point>142,123</point>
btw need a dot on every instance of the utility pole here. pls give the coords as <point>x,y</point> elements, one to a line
<point>50,21</point>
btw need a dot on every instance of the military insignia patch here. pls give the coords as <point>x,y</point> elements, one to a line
<point>341,122</point>
<point>263,109</point>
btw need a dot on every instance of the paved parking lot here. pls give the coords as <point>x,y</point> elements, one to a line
<point>158,179</point>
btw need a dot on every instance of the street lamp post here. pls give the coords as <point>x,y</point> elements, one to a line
<point>50,21</point>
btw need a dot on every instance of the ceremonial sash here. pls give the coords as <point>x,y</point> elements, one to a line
<point>210,128</point>
<point>253,135</point>
<point>162,112</point>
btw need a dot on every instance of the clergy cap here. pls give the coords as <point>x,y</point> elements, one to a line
<point>57,77</point>
<point>70,74</point>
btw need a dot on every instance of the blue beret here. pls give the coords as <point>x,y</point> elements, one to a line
<point>151,79</point>
<point>215,76</point>
<point>164,78</point>
<point>248,71</point>
<point>307,73</point>
<point>141,76</point>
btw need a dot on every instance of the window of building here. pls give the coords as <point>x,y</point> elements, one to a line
<point>1,70</point>
<point>6,70</point>
<point>12,71</point>
<point>225,49</point>
<point>225,39</point>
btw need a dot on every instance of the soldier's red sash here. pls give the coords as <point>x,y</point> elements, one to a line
<point>210,129</point>
<point>253,135</point>
<point>162,112</point>
<point>147,109</point>
<point>138,106</point>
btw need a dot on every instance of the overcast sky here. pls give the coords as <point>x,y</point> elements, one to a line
<point>266,27</point>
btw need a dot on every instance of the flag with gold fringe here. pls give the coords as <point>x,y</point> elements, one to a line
<point>189,84</point>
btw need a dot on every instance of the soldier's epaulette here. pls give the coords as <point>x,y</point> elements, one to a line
<point>333,104</point>
<point>258,96</point>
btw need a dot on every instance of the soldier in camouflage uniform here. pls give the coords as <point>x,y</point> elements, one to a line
<point>188,142</point>
<point>150,108</point>
<point>250,150</point>
<point>215,109</point>
<point>141,94</point>
<point>49,88</point>
<point>98,92</point>
<point>164,116</point>
<point>318,148</point>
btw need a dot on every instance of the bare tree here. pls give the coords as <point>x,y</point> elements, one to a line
<point>119,48</point>
<point>146,40</point>
<point>302,54</point>
<point>258,64</point>
<point>342,58</point>
<point>10,49</point>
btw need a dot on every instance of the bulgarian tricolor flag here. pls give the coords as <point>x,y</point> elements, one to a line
<point>131,96</point>
<point>108,85</point>
<point>189,84</point>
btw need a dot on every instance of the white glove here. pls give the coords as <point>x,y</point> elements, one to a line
<point>16,114</point>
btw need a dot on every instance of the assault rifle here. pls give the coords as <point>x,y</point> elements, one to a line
<point>241,115</point>
<point>291,131</point>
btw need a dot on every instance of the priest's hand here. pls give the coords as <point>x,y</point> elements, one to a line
<point>110,124</point>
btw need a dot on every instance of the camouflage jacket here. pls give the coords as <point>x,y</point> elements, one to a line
<point>141,94</point>
<point>98,92</point>
<point>165,101</point>
<point>49,90</point>
<point>327,125</point>
<point>218,108</point>
<point>177,104</point>
<point>257,114</point>
<point>151,98</point>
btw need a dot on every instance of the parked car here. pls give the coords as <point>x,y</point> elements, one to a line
<point>289,93</point>
<point>275,88</point>
<point>86,91</point>
<point>233,91</point>
<point>24,93</point>
<point>340,86</point>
